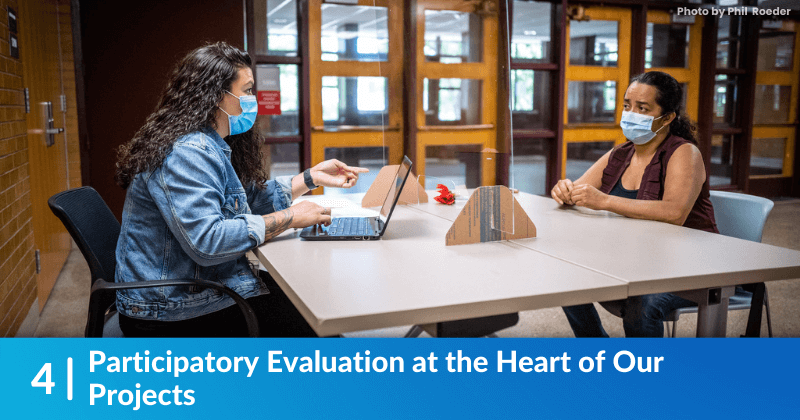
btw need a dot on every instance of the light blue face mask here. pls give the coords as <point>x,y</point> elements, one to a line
<point>238,124</point>
<point>636,127</point>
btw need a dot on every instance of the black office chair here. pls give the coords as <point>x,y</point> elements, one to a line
<point>95,229</point>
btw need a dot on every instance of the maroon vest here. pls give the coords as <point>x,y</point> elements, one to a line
<point>652,187</point>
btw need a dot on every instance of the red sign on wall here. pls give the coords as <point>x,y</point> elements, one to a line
<point>269,102</point>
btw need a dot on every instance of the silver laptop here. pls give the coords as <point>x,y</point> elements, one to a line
<point>363,228</point>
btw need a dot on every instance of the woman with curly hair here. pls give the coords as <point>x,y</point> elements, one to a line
<point>198,198</point>
<point>658,174</point>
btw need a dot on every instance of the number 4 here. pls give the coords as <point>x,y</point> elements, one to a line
<point>36,383</point>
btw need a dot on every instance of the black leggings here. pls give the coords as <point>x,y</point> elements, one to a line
<point>277,317</point>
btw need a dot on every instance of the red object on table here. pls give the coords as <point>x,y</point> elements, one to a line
<point>445,195</point>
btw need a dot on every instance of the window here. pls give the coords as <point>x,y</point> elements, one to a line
<point>582,155</point>
<point>452,101</point>
<point>531,39</point>
<point>530,99</point>
<point>276,27</point>
<point>721,160</point>
<point>522,90</point>
<point>666,46</point>
<point>728,42</point>
<point>357,33</point>
<point>767,155</point>
<point>772,104</point>
<point>287,122</point>
<point>330,98</point>
<point>282,159</point>
<point>775,51</point>
<point>592,102</point>
<point>529,172</point>
<point>593,43</point>
<point>449,100</point>
<point>452,37</point>
<point>725,100</point>
<point>354,101</point>
<point>457,165</point>
<point>372,158</point>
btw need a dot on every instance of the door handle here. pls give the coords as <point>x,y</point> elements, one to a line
<point>47,120</point>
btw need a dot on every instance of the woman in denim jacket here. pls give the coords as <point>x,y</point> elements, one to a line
<point>198,198</point>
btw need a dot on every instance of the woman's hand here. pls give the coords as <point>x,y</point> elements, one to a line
<point>588,196</point>
<point>306,213</point>
<point>333,173</point>
<point>562,192</point>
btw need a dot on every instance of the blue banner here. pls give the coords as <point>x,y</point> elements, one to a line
<point>398,378</point>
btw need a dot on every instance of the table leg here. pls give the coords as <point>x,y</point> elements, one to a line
<point>712,309</point>
<point>414,332</point>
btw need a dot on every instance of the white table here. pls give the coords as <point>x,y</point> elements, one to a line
<point>579,256</point>
<point>652,257</point>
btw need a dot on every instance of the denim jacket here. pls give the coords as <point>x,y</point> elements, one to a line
<point>191,218</point>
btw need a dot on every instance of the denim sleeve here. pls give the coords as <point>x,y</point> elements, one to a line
<point>276,196</point>
<point>189,191</point>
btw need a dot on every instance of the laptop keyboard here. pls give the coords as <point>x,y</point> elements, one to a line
<point>350,226</point>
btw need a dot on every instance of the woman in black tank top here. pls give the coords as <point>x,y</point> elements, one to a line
<point>663,165</point>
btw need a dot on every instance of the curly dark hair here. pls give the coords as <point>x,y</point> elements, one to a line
<point>669,95</point>
<point>189,103</point>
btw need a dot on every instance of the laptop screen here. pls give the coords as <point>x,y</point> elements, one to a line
<point>395,189</point>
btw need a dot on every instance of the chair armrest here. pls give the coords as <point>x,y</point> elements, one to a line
<point>94,327</point>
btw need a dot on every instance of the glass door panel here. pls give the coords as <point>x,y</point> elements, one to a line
<point>597,75</point>
<point>675,49</point>
<point>356,84</point>
<point>456,79</point>
<point>775,122</point>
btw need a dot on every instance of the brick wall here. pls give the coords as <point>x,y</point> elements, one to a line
<point>17,269</point>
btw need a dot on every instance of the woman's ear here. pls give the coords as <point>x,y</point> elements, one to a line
<point>670,118</point>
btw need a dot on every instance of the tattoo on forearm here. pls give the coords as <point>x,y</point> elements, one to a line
<point>277,223</point>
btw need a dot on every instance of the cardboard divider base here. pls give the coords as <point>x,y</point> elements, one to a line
<point>412,193</point>
<point>475,222</point>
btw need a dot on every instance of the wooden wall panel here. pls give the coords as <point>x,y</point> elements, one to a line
<point>40,54</point>
<point>29,171</point>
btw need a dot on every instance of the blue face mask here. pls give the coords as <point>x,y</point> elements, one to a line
<point>636,127</point>
<point>238,124</point>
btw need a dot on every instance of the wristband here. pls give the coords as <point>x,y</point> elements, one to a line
<point>308,180</point>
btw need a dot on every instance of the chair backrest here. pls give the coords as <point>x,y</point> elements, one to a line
<point>93,227</point>
<point>740,215</point>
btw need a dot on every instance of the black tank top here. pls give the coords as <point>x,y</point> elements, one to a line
<point>621,191</point>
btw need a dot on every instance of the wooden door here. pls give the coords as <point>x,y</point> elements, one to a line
<point>597,71</point>
<point>456,84</point>
<point>355,62</point>
<point>40,53</point>
<point>683,66</point>
<point>772,148</point>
